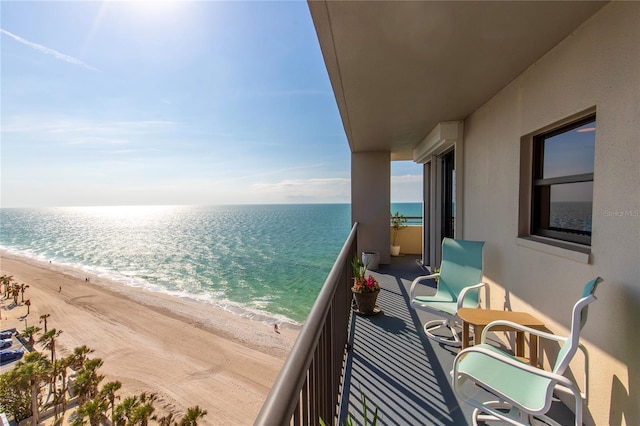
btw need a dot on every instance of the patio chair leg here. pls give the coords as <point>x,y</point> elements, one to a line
<point>431,326</point>
<point>508,411</point>
<point>516,416</point>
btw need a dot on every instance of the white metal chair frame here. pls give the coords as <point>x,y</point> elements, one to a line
<point>519,414</point>
<point>450,319</point>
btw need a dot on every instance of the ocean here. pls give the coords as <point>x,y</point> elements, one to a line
<point>266,262</point>
<point>573,215</point>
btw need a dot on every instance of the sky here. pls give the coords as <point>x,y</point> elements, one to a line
<point>169,102</point>
<point>570,153</point>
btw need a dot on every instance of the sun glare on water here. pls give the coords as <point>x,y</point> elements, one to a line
<point>130,214</point>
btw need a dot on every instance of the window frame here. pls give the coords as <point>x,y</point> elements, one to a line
<point>540,187</point>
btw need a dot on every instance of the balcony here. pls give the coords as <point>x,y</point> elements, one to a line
<point>393,363</point>
<point>387,357</point>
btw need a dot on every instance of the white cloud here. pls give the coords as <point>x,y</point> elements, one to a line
<point>48,51</point>
<point>406,188</point>
<point>325,190</point>
<point>291,184</point>
<point>75,131</point>
<point>406,179</point>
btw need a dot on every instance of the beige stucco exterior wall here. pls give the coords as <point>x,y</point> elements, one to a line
<point>409,239</point>
<point>597,66</point>
<point>370,201</point>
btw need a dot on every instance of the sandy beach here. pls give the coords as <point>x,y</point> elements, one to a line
<point>187,352</point>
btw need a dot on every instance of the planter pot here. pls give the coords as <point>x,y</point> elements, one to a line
<point>366,302</point>
<point>371,260</point>
<point>395,250</point>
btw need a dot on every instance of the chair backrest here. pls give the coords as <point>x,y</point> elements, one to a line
<point>578,320</point>
<point>461,267</point>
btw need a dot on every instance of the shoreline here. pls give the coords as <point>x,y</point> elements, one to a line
<point>140,289</point>
<point>188,352</point>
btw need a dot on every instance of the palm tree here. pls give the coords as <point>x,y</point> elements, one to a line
<point>135,410</point>
<point>34,368</point>
<point>79,356</point>
<point>81,386</point>
<point>109,392</point>
<point>193,415</point>
<point>22,289</point>
<point>142,413</point>
<point>56,366</point>
<point>56,401</point>
<point>92,364</point>
<point>124,410</point>
<point>28,303</point>
<point>64,364</point>
<point>2,279</point>
<point>28,334</point>
<point>59,374</point>
<point>15,394</point>
<point>166,420</point>
<point>93,410</point>
<point>15,292</point>
<point>6,281</point>
<point>43,318</point>
<point>49,341</point>
<point>87,380</point>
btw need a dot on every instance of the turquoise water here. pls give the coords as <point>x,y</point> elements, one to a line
<point>412,211</point>
<point>258,259</point>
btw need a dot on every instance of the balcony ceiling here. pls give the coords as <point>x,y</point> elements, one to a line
<point>399,68</point>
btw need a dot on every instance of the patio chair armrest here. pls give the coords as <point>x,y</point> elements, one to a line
<point>464,291</point>
<point>416,281</point>
<point>520,327</point>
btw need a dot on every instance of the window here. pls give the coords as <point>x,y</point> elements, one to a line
<point>562,192</point>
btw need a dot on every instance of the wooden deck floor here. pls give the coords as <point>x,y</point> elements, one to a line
<point>397,368</point>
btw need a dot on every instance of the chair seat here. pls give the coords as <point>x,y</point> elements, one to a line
<point>437,304</point>
<point>441,303</point>
<point>523,388</point>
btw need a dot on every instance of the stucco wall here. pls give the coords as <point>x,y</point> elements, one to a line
<point>409,239</point>
<point>598,65</point>
<point>370,201</point>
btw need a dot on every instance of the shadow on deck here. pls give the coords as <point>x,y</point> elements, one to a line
<point>397,368</point>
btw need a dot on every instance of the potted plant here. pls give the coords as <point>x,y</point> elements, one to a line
<point>398,223</point>
<point>371,259</point>
<point>365,289</point>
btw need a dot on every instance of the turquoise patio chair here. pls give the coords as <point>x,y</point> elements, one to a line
<point>458,285</point>
<point>524,392</point>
